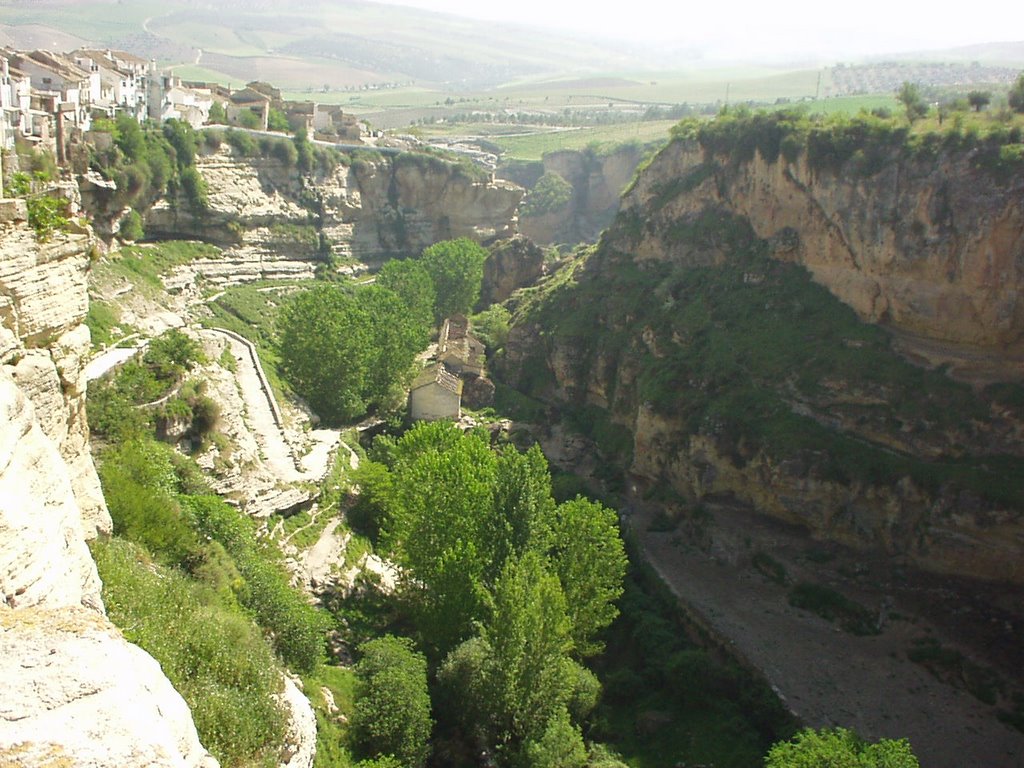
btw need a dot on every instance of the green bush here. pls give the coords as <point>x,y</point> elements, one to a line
<point>46,215</point>
<point>392,706</point>
<point>131,227</point>
<point>551,193</point>
<point>833,606</point>
<point>241,142</point>
<point>211,653</point>
<point>297,629</point>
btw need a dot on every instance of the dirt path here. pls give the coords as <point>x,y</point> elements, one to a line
<point>265,421</point>
<point>824,675</point>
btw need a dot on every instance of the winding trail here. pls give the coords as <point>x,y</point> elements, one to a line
<point>266,422</point>
<point>262,413</point>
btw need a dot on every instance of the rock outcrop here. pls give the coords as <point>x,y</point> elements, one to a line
<point>44,345</point>
<point>597,181</point>
<point>675,324</point>
<point>511,264</point>
<point>275,223</point>
<point>929,245</point>
<point>75,692</point>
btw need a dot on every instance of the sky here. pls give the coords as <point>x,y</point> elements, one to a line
<point>765,28</point>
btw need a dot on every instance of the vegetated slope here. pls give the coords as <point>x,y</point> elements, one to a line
<point>712,364</point>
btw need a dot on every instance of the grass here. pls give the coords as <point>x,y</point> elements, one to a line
<point>104,323</point>
<point>251,313</point>
<point>211,652</point>
<point>143,265</point>
<point>331,726</point>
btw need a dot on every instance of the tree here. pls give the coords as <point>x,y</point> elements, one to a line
<point>909,95</point>
<point>590,560</point>
<point>182,137</point>
<point>456,268</point>
<point>397,337</point>
<point>277,121</point>
<point>528,633</point>
<point>392,706</point>
<point>1016,95</point>
<point>324,338</point>
<point>218,114</point>
<point>414,286</point>
<point>441,481</point>
<point>345,351</point>
<point>129,138</point>
<point>839,748</point>
<point>979,99</point>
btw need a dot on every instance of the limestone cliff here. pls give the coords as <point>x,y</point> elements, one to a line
<point>75,693</point>
<point>597,182</point>
<point>510,264</point>
<point>275,222</point>
<point>695,347</point>
<point>930,243</point>
<point>43,346</point>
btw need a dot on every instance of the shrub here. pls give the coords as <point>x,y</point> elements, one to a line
<point>551,193</point>
<point>392,712</point>
<point>297,629</point>
<point>131,226</point>
<point>46,215</point>
<point>210,652</point>
<point>241,142</point>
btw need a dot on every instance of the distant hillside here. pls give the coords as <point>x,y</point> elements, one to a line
<point>299,44</point>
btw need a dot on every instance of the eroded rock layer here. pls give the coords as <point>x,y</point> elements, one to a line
<point>75,691</point>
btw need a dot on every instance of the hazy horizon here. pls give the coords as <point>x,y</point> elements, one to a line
<point>747,30</point>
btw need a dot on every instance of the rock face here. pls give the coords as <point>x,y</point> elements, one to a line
<point>413,201</point>
<point>644,331</point>
<point>43,346</point>
<point>511,264</point>
<point>598,181</point>
<point>275,223</point>
<point>932,246</point>
<point>75,692</point>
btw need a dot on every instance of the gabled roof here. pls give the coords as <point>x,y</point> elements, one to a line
<point>439,375</point>
<point>249,96</point>
<point>59,65</point>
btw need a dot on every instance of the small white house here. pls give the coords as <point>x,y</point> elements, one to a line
<point>435,395</point>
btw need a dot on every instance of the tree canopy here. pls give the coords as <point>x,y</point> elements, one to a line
<point>456,268</point>
<point>909,95</point>
<point>839,748</point>
<point>346,351</point>
<point>504,587</point>
<point>454,512</point>
<point>392,708</point>
<point>1016,95</point>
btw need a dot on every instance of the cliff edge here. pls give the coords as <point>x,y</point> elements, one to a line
<point>75,692</point>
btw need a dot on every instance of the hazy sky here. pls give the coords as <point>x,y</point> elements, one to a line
<point>766,27</point>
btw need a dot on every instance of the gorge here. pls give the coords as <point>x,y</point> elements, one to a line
<point>796,340</point>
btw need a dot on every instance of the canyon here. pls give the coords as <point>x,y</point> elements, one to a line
<point>660,337</point>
